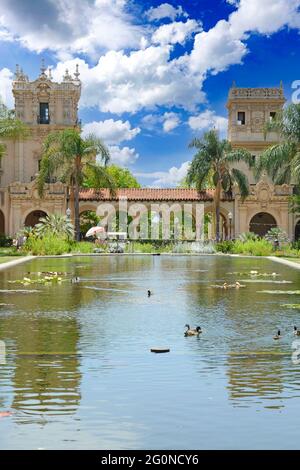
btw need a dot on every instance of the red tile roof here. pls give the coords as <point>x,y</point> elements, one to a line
<point>149,194</point>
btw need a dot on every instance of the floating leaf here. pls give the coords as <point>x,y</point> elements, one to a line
<point>294,306</point>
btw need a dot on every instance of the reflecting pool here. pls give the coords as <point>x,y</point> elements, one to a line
<point>79,374</point>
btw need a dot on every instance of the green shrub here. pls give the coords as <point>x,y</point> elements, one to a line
<point>246,236</point>
<point>82,247</point>
<point>277,237</point>
<point>138,247</point>
<point>47,245</point>
<point>259,247</point>
<point>225,247</point>
<point>5,241</point>
<point>296,245</point>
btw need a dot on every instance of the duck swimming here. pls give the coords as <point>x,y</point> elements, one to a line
<point>296,331</point>
<point>192,331</point>
<point>278,336</point>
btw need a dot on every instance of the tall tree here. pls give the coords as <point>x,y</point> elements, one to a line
<point>70,157</point>
<point>214,161</point>
<point>281,161</point>
<point>122,178</point>
<point>10,127</point>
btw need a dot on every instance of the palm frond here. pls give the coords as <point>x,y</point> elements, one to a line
<point>242,181</point>
<point>274,158</point>
<point>240,155</point>
<point>95,147</point>
<point>101,177</point>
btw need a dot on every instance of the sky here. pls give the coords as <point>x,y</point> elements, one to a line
<point>154,74</point>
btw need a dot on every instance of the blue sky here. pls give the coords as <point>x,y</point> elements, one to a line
<point>155,74</point>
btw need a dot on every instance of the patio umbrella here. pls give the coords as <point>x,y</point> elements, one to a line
<point>93,231</point>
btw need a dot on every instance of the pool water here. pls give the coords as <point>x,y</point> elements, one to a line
<point>79,373</point>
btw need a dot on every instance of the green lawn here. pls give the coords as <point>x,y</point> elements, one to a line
<point>9,254</point>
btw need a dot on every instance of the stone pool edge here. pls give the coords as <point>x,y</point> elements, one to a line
<point>286,262</point>
<point>15,262</point>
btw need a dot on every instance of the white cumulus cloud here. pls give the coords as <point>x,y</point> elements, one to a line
<point>165,10</point>
<point>216,49</point>
<point>6,78</point>
<point>169,178</point>
<point>224,44</point>
<point>111,131</point>
<point>170,121</point>
<point>147,78</point>
<point>123,156</point>
<point>177,32</point>
<point>208,120</point>
<point>68,27</point>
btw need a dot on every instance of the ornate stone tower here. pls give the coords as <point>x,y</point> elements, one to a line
<point>45,106</point>
<point>249,109</point>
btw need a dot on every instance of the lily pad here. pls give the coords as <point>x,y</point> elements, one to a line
<point>294,306</point>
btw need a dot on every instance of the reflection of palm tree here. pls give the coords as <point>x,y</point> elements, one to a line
<point>256,375</point>
<point>46,369</point>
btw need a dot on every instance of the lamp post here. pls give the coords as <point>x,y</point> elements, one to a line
<point>230,217</point>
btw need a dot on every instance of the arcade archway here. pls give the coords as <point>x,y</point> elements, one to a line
<point>2,223</point>
<point>297,230</point>
<point>33,218</point>
<point>261,223</point>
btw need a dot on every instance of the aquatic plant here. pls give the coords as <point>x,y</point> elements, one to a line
<point>293,306</point>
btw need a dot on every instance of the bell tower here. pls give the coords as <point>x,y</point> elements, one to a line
<point>249,109</point>
<point>45,106</point>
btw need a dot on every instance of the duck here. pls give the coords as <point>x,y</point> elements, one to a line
<point>192,331</point>
<point>225,285</point>
<point>74,280</point>
<point>296,331</point>
<point>278,336</point>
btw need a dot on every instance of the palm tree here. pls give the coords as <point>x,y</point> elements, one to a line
<point>214,162</point>
<point>281,161</point>
<point>68,156</point>
<point>55,224</point>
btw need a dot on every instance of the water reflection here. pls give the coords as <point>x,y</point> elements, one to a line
<point>79,372</point>
<point>256,375</point>
<point>44,365</point>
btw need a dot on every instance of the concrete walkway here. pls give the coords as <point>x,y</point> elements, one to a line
<point>292,264</point>
<point>15,262</point>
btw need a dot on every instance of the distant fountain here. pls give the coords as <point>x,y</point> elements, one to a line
<point>205,247</point>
